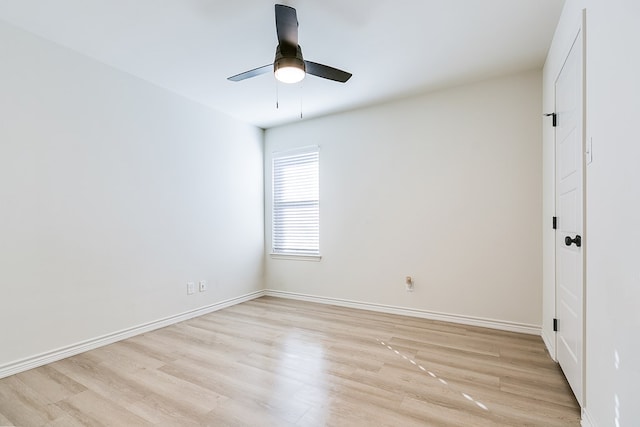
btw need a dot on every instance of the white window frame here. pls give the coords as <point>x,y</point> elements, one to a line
<point>303,205</point>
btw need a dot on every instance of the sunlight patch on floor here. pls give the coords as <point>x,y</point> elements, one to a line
<point>431,374</point>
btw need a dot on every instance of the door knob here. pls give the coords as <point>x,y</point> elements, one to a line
<point>577,240</point>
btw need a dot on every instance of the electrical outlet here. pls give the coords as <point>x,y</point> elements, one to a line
<point>202,285</point>
<point>191,288</point>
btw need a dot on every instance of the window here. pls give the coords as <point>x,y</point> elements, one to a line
<point>296,204</point>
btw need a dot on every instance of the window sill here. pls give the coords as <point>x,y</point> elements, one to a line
<point>293,257</point>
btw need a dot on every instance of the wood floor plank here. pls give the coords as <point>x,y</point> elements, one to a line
<point>92,409</point>
<point>245,412</point>
<point>4,421</point>
<point>23,405</point>
<point>279,362</point>
<point>52,386</point>
<point>110,384</point>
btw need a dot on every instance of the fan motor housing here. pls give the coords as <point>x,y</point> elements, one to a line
<point>289,58</point>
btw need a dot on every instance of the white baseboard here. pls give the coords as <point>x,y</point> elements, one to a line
<point>71,350</point>
<point>586,420</point>
<point>413,312</point>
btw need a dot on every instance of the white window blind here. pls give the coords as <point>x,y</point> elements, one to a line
<point>296,204</point>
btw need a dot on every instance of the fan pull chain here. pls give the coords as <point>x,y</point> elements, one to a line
<point>277,95</point>
<point>301,92</point>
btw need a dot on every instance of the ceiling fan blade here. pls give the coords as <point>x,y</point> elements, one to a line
<point>327,72</point>
<point>251,73</point>
<point>287,25</point>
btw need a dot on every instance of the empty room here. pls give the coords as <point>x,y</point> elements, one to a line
<point>251,213</point>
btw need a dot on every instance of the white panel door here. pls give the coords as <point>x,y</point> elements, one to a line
<point>570,214</point>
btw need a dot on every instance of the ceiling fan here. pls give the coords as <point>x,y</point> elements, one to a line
<point>289,66</point>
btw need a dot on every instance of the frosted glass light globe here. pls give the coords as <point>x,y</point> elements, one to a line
<point>289,74</point>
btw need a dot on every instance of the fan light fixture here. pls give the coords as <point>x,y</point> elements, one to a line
<point>289,74</point>
<point>289,69</point>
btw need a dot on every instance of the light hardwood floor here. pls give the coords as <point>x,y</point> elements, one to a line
<point>277,362</point>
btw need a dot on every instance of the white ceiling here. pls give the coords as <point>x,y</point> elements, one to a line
<point>393,48</point>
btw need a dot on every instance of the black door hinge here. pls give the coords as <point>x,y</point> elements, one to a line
<point>554,118</point>
<point>555,222</point>
<point>555,325</point>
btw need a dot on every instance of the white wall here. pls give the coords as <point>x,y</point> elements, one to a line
<point>113,194</point>
<point>613,203</point>
<point>444,187</point>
